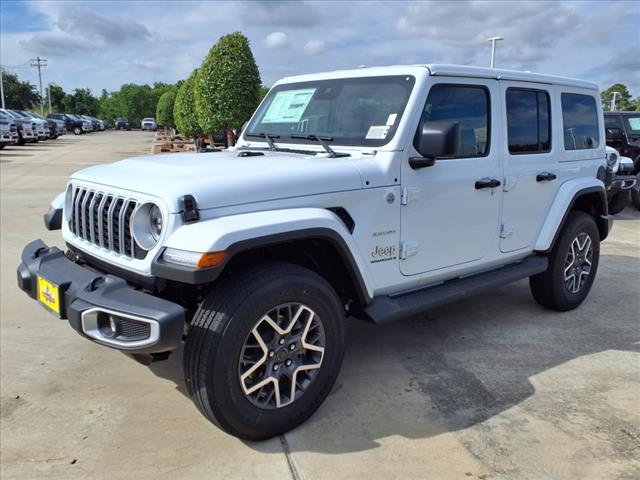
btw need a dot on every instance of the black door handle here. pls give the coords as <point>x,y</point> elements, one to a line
<point>545,177</point>
<point>487,183</point>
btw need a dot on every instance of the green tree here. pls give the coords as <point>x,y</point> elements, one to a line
<point>164,110</point>
<point>624,101</point>
<point>57,98</point>
<point>227,86</point>
<point>81,102</point>
<point>262,93</point>
<point>184,110</point>
<point>17,94</point>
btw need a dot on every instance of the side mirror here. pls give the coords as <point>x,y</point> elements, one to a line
<point>614,133</point>
<point>435,139</point>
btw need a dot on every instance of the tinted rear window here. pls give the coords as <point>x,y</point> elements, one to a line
<point>528,124</point>
<point>580,122</point>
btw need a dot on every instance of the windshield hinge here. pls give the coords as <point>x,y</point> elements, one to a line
<point>408,249</point>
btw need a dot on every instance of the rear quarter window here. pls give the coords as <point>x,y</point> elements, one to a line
<point>580,121</point>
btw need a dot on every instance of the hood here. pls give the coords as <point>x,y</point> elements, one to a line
<point>219,179</point>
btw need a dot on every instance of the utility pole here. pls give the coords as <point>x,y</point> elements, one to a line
<point>39,62</point>
<point>613,101</point>
<point>49,97</point>
<point>493,41</point>
<point>2,88</point>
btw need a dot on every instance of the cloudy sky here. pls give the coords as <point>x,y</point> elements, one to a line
<point>105,44</point>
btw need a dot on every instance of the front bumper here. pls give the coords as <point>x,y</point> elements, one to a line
<point>102,307</point>
<point>622,182</point>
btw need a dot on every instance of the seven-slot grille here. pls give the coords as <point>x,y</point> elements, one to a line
<point>104,220</point>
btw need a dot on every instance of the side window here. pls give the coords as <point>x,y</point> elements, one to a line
<point>612,121</point>
<point>469,106</point>
<point>528,121</point>
<point>580,122</point>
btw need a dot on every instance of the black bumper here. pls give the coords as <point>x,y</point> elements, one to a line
<point>83,290</point>
<point>621,182</point>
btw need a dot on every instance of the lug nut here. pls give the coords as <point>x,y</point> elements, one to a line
<point>281,341</point>
<point>276,367</point>
<point>271,354</point>
<point>292,346</point>
<point>288,363</point>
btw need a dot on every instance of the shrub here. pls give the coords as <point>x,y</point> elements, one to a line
<point>227,86</point>
<point>164,110</point>
<point>184,110</point>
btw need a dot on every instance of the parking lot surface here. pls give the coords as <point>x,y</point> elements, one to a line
<point>494,387</point>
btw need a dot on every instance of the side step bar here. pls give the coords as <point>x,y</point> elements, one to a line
<point>388,308</point>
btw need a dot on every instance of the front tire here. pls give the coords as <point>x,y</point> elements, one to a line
<point>77,131</point>
<point>264,350</point>
<point>618,202</point>
<point>573,264</point>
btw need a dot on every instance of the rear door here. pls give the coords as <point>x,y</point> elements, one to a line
<point>530,165</point>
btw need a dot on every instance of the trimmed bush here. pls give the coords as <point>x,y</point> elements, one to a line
<point>164,110</point>
<point>227,86</point>
<point>184,110</point>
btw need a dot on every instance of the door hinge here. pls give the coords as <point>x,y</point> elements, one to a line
<point>506,230</point>
<point>408,249</point>
<point>409,194</point>
<point>509,183</point>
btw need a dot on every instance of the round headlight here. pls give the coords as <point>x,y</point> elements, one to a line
<point>68,204</point>
<point>612,158</point>
<point>146,225</point>
<point>155,222</point>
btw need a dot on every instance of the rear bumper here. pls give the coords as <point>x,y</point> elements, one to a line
<point>103,308</point>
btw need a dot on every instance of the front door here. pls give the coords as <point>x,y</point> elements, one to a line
<point>450,212</point>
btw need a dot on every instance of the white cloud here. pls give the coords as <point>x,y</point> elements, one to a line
<point>314,47</point>
<point>276,40</point>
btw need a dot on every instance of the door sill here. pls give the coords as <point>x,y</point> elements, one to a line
<point>388,308</point>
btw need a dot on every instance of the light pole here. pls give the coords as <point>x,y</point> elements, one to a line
<point>493,41</point>
<point>613,101</point>
<point>2,88</point>
<point>49,96</point>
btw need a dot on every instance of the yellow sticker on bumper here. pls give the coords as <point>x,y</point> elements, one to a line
<point>49,295</point>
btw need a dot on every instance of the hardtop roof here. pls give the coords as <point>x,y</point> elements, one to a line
<point>438,69</point>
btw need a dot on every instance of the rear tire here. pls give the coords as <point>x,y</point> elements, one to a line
<point>618,202</point>
<point>77,131</point>
<point>240,371</point>
<point>573,264</point>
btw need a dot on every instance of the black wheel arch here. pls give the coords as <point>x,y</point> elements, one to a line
<point>320,249</point>
<point>593,201</point>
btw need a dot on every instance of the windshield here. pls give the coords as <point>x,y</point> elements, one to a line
<point>346,111</point>
<point>633,124</point>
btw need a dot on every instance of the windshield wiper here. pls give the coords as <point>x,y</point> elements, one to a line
<point>323,142</point>
<point>267,136</point>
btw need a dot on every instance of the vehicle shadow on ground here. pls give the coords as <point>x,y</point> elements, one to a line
<point>455,367</point>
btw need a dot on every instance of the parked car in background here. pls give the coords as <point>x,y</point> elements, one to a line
<point>71,124</point>
<point>122,123</point>
<point>8,130</point>
<point>87,125</point>
<point>42,126</point>
<point>102,124</point>
<point>149,124</point>
<point>53,125</point>
<point>622,182</point>
<point>623,134</point>
<point>27,130</point>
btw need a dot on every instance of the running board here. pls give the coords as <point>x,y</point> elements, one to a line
<point>388,308</point>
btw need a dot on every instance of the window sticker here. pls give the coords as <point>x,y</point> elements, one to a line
<point>392,119</point>
<point>288,106</point>
<point>377,132</point>
<point>635,123</point>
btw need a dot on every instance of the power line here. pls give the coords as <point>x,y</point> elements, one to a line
<point>39,62</point>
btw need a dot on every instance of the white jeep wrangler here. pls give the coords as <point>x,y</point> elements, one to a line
<point>378,193</point>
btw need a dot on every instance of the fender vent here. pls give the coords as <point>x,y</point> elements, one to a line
<point>345,217</point>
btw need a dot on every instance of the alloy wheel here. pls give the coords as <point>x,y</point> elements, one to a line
<point>281,356</point>
<point>577,265</point>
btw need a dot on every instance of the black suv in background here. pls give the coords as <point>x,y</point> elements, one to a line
<point>71,124</point>
<point>123,123</point>
<point>623,134</point>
